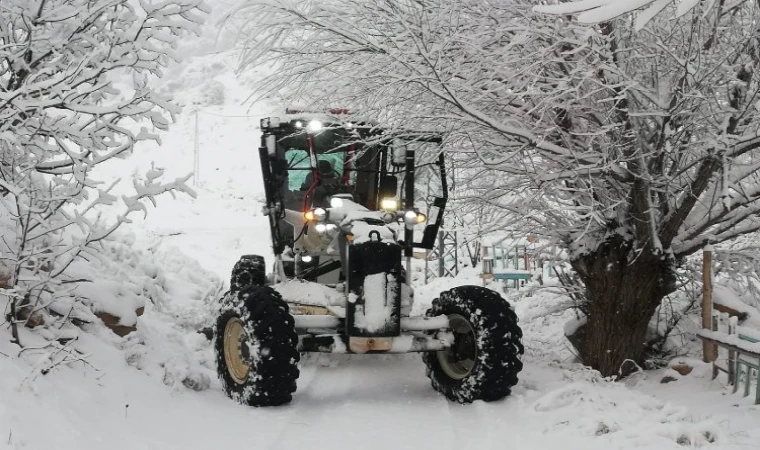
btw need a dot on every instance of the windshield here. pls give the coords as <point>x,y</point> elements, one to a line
<point>299,167</point>
<point>345,163</point>
<point>327,140</point>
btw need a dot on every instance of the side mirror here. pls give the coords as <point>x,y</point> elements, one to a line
<point>388,186</point>
<point>435,220</point>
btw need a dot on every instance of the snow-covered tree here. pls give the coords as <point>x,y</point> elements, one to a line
<point>63,115</point>
<point>597,11</point>
<point>631,149</point>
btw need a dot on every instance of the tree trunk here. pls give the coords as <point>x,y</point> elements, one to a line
<point>624,287</point>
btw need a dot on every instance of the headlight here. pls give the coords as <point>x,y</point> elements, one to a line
<point>389,204</point>
<point>306,258</point>
<point>414,218</point>
<point>323,228</point>
<point>315,215</point>
<point>336,202</point>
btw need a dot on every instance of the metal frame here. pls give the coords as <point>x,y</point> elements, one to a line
<point>446,250</point>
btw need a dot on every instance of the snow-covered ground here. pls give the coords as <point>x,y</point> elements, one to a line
<point>156,388</point>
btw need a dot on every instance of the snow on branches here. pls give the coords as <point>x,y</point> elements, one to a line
<point>597,11</point>
<point>63,115</point>
<point>579,132</point>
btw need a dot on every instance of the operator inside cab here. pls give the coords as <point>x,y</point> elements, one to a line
<point>329,183</point>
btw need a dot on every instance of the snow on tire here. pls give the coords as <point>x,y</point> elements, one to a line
<point>250,270</point>
<point>484,360</point>
<point>256,348</point>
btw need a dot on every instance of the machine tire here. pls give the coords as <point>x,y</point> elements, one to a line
<point>489,334</point>
<point>250,270</point>
<point>262,369</point>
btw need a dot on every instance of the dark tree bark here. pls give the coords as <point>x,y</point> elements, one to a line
<point>14,327</point>
<point>624,287</point>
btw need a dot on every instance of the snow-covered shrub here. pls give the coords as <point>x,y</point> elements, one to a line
<point>63,117</point>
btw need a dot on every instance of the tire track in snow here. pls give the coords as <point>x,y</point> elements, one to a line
<point>367,402</point>
<point>316,386</point>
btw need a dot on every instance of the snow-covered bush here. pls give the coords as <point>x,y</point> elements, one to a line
<point>63,117</point>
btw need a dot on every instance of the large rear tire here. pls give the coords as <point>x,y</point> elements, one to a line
<point>484,360</point>
<point>256,348</point>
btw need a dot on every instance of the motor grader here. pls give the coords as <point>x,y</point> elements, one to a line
<point>344,225</point>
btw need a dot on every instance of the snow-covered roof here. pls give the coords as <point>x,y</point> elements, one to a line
<point>337,117</point>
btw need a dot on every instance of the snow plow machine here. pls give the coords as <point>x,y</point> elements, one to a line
<point>343,221</point>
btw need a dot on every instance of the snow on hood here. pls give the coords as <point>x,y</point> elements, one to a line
<point>308,293</point>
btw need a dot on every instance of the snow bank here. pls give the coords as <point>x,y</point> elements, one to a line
<point>616,414</point>
<point>572,325</point>
<point>126,278</point>
<point>99,372</point>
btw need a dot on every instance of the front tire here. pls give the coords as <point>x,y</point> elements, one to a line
<point>256,348</point>
<point>250,270</point>
<point>483,362</point>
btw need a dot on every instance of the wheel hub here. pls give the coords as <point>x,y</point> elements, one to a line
<point>236,351</point>
<point>458,361</point>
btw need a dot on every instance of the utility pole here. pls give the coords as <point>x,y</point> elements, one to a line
<point>196,155</point>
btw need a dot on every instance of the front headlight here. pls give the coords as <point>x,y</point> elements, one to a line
<point>316,215</point>
<point>320,214</point>
<point>322,228</point>
<point>389,204</point>
<point>414,218</point>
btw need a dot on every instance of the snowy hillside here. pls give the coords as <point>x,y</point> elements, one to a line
<point>157,389</point>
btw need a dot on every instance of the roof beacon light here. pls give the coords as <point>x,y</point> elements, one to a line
<point>314,126</point>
